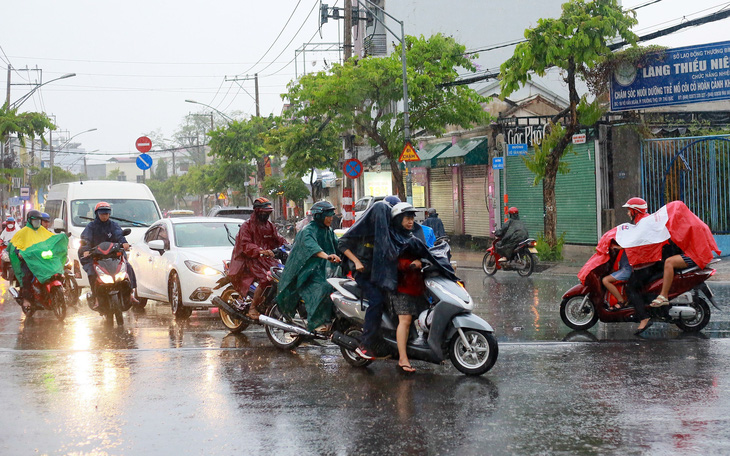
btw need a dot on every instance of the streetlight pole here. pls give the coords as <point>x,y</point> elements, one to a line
<point>64,145</point>
<point>25,97</point>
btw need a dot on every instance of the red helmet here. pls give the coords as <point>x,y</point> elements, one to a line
<point>513,210</point>
<point>262,204</point>
<point>637,204</point>
<point>103,206</point>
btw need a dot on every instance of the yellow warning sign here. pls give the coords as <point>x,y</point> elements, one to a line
<point>222,196</point>
<point>409,154</point>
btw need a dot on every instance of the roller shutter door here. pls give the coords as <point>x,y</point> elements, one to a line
<point>476,213</point>
<point>441,196</point>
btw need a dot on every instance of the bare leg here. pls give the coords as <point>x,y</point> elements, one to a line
<point>671,263</point>
<point>643,324</point>
<point>608,282</point>
<point>258,297</point>
<point>401,337</point>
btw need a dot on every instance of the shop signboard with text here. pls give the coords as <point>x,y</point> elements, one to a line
<point>691,74</point>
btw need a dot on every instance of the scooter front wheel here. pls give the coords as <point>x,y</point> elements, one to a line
<point>58,303</point>
<point>578,312</point>
<point>280,338</point>
<point>489,264</point>
<point>350,356</point>
<point>475,353</point>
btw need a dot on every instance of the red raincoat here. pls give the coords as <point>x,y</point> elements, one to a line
<point>643,242</point>
<point>247,264</point>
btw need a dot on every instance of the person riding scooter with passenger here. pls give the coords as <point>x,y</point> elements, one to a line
<point>102,229</point>
<point>306,272</point>
<point>510,234</point>
<point>253,254</point>
<point>30,235</point>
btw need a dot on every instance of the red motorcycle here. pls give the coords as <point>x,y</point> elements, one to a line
<point>113,289</point>
<point>46,296</point>
<point>5,267</point>
<point>523,259</point>
<point>584,305</point>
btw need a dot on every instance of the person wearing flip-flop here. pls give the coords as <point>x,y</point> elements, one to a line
<point>621,275</point>
<point>680,261</point>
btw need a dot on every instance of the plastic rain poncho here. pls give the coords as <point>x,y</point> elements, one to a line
<point>43,252</point>
<point>305,275</point>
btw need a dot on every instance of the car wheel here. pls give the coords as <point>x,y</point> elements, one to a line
<point>175,295</point>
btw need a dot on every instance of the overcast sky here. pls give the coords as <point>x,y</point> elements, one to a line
<point>138,61</point>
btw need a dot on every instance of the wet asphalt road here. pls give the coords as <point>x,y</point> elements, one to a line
<point>159,387</point>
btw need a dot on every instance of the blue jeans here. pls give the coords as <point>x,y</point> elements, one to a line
<point>374,312</point>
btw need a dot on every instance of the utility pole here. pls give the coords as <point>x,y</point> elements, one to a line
<point>347,45</point>
<point>256,85</point>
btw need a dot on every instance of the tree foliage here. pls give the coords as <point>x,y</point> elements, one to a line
<point>42,179</point>
<point>243,141</point>
<point>575,42</point>
<point>360,95</point>
<point>291,188</point>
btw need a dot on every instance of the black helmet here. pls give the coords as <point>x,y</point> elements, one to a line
<point>322,207</point>
<point>34,214</point>
<point>432,211</point>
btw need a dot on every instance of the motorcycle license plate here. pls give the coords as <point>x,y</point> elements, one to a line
<point>533,250</point>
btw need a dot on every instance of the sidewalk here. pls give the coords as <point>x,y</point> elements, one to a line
<point>574,257</point>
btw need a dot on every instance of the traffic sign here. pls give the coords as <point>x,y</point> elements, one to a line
<point>143,144</point>
<point>25,193</point>
<point>222,196</point>
<point>353,168</point>
<point>516,149</point>
<point>144,162</point>
<point>409,154</point>
<point>498,163</point>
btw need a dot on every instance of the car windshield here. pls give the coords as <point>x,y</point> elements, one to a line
<point>205,234</point>
<point>126,212</point>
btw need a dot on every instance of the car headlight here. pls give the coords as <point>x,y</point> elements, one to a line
<point>202,269</point>
<point>75,243</point>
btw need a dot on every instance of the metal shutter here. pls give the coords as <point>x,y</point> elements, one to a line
<point>441,196</point>
<point>476,212</point>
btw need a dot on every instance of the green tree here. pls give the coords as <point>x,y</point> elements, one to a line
<point>363,92</point>
<point>160,170</point>
<point>113,174</point>
<point>310,144</point>
<point>575,42</point>
<point>42,178</point>
<point>291,188</point>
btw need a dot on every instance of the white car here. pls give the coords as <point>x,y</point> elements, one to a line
<point>180,260</point>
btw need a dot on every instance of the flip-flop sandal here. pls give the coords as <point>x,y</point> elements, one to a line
<point>406,369</point>
<point>659,301</point>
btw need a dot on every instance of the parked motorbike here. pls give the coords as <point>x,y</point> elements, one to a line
<point>453,331</point>
<point>233,317</point>
<point>584,305</point>
<point>523,259</point>
<point>113,287</point>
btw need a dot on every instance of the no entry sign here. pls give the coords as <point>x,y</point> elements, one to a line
<point>353,168</point>
<point>143,144</point>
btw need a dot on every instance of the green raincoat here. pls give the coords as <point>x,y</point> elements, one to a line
<point>44,259</point>
<point>305,275</point>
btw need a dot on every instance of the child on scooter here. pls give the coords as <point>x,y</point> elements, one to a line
<point>622,274</point>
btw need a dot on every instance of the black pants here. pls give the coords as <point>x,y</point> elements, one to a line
<point>638,279</point>
<point>26,290</point>
<point>374,313</point>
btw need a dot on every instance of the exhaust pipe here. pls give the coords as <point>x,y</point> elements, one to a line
<point>268,321</point>
<point>342,340</point>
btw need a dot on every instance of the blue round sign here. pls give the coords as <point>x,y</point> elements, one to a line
<point>144,162</point>
<point>353,168</point>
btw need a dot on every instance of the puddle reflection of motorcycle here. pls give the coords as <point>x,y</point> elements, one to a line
<point>233,307</point>
<point>113,288</point>
<point>523,259</point>
<point>585,304</point>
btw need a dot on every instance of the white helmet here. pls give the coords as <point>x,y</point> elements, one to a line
<point>402,208</point>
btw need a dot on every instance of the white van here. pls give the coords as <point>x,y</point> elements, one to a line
<point>71,205</point>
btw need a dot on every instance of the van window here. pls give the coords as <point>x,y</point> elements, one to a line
<point>125,212</point>
<point>53,208</point>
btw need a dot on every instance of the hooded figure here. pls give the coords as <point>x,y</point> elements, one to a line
<point>512,233</point>
<point>307,269</point>
<point>252,255</point>
<point>29,255</point>
<point>434,222</point>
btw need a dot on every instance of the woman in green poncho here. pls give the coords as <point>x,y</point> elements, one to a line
<point>305,274</point>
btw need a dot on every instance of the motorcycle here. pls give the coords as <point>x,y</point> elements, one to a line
<point>5,267</point>
<point>46,296</point>
<point>232,307</point>
<point>113,287</point>
<point>453,331</point>
<point>523,259</point>
<point>585,304</point>
<point>72,290</point>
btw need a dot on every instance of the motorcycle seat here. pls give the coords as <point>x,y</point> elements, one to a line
<point>352,287</point>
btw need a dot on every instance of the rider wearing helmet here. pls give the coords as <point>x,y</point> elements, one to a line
<point>99,230</point>
<point>46,220</point>
<point>252,255</point>
<point>33,233</point>
<point>10,229</point>
<point>307,269</point>
<point>434,222</point>
<point>636,208</point>
<point>511,233</point>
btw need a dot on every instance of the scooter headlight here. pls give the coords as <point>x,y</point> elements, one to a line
<point>75,243</point>
<point>121,275</point>
<point>103,276</point>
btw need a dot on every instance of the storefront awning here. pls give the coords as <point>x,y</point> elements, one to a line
<point>472,151</point>
<point>427,152</point>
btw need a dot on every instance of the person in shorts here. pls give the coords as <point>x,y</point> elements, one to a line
<point>622,274</point>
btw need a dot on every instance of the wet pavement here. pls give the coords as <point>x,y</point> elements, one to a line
<point>158,386</point>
